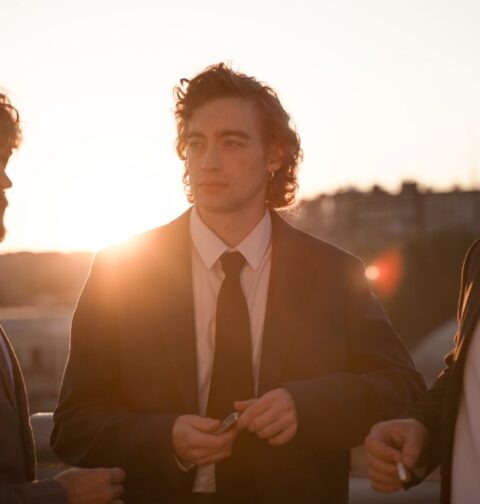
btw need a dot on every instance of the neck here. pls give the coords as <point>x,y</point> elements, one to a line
<point>232,227</point>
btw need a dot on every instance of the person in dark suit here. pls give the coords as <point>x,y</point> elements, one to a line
<point>229,308</point>
<point>17,454</point>
<point>443,427</point>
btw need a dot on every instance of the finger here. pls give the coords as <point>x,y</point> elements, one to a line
<point>204,424</point>
<point>118,491</point>
<point>117,475</point>
<point>209,444</point>
<point>380,487</point>
<point>213,459</point>
<point>263,420</point>
<point>284,437</point>
<point>228,437</point>
<point>380,466</point>
<point>275,428</point>
<point>255,409</point>
<point>380,450</point>
<point>243,405</point>
<point>384,479</point>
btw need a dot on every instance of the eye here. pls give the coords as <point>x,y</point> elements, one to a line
<point>194,145</point>
<point>233,143</point>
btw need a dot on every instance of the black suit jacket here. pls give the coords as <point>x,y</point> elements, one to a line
<point>17,453</point>
<point>132,367</point>
<point>438,409</point>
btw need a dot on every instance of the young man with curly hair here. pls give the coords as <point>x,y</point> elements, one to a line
<point>229,309</point>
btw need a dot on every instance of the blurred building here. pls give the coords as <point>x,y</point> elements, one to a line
<point>40,337</point>
<point>377,218</point>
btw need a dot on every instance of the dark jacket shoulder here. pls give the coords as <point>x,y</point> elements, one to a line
<point>316,250</point>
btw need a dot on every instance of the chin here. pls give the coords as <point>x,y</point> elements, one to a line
<point>217,208</point>
<point>3,230</point>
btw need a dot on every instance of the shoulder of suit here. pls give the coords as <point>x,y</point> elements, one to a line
<point>321,249</point>
<point>472,257</point>
<point>474,247</point>
<point>152,241</point>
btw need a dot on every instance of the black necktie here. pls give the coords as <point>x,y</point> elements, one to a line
<point>232,373</point>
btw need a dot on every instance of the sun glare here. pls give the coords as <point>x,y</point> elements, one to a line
<point>372,273</point>
<point>111,209</point>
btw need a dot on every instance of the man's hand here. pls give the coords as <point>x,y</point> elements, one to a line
<point>92,486</point>
<point>389,443</point>
<point>272,417</point>
<point>195,441</point>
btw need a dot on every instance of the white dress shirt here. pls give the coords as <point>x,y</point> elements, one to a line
<point>466,447</point>
<point>207,276</point>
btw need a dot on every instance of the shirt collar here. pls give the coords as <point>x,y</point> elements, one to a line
<point>210,247</point>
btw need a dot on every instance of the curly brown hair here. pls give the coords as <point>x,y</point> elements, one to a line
<point>10,131</point>
<point>220,81</point>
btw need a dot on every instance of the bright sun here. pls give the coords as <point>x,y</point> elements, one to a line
<point>113,208</point>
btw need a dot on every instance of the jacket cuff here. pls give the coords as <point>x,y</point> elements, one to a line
<point>48,492</point>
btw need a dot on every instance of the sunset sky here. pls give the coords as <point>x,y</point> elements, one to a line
<point>380,91</point>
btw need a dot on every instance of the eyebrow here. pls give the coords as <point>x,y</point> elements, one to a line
<point>221,134</point>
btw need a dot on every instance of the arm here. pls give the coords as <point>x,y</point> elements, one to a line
<point>37,492</point>
<point>93,426</point>
<point>419,435</point>
<point>335,411</point>
<point>74,486</point>
<point>429,409</point>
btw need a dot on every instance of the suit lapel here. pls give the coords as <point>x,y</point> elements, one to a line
<point>5,372</point>
<point>24,416</point>
<point>18,396</point>
<point>469,315</point>
<point>288,292</point>
<point>176,311</point>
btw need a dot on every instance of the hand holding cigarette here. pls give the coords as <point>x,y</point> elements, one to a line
<point>393,450</point>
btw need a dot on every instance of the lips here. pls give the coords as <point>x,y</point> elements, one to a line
<point>211,183</point>
<point>211,186</point>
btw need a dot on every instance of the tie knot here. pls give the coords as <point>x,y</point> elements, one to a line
<point>232,263</point>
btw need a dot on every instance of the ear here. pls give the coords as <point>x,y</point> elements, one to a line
<point>274,159</point>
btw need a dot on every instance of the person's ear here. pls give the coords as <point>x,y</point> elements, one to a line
<point>274,159</point>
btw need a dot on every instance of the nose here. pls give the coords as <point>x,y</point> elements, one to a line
<point>210,159</point>
<point>5,182</point>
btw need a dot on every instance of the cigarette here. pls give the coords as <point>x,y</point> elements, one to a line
<point>402,472</point>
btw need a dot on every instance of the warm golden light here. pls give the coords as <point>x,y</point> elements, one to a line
<point>372,273</point>
<point>386,272</point>
<point>111,207</point>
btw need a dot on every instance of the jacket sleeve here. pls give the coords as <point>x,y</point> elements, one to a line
<point>92,426</point>
<point>429,409</point>
<point>336,410</point>
<point>37,492</point>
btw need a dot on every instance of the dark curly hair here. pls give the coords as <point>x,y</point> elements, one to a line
<point>220,81</point>
<point>10,131</point>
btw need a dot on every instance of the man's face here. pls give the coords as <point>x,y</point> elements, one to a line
<point>227,162</point>
<point>5,183</point>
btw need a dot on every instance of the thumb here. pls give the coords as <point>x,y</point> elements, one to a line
<point>117,474</point>
<point>243,405</point>
<point>205,424</point>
